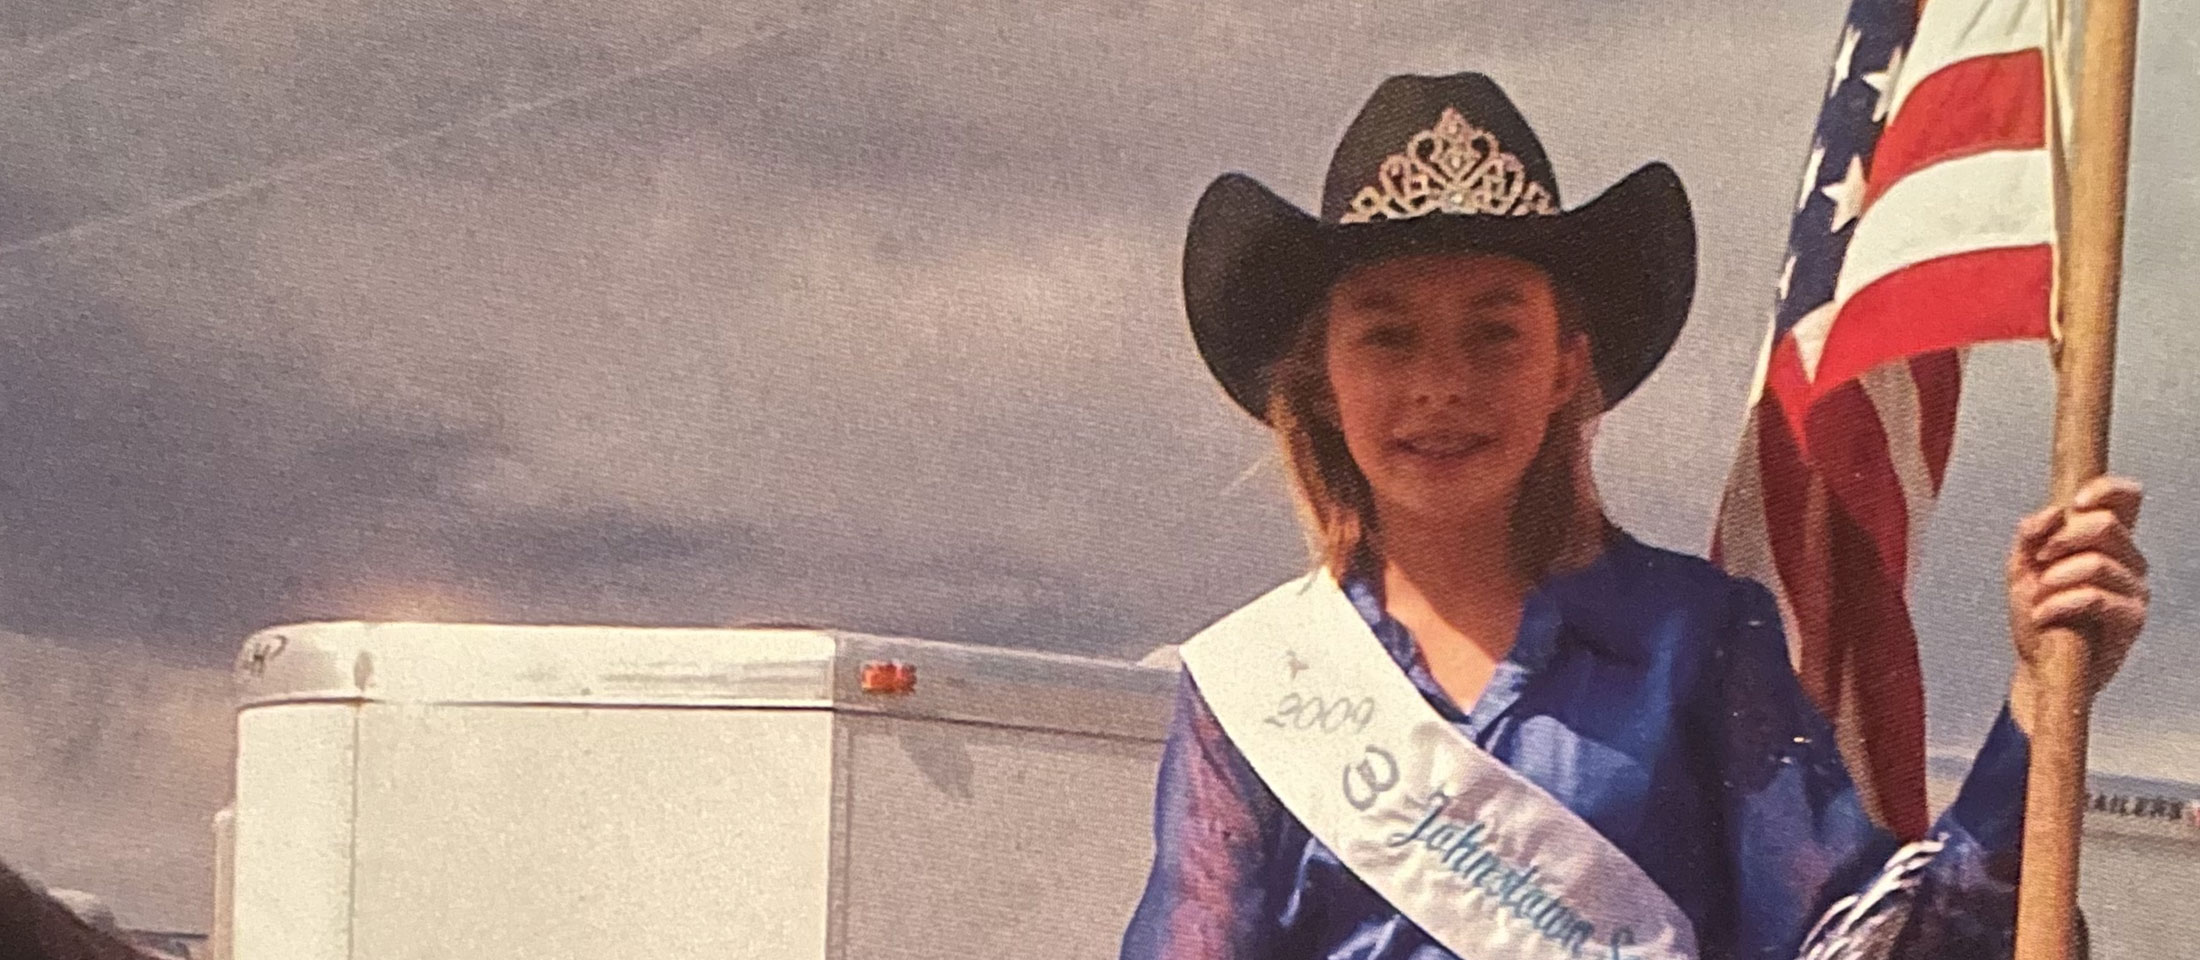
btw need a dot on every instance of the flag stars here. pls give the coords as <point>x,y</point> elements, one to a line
<point>1847,195</point>
<point>1810,176</point>
<point>1844,61</point>
<point>1883,81</point>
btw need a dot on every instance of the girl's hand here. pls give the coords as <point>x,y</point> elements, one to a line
<point>2077,568</point>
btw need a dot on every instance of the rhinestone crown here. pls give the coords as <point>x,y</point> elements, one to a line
<point>1453,167</point>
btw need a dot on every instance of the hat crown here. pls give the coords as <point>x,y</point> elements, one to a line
<point>1424,145</point>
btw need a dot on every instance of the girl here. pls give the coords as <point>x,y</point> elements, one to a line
<point>1491,724</point>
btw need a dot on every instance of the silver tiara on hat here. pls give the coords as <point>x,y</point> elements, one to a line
<point>1453,167</point>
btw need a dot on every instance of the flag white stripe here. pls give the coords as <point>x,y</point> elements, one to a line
<point>1951,31</point>
<point>1810,335</point>
<point>1981,202</point>
<point>1764,364</point>
<point>1892,388</point>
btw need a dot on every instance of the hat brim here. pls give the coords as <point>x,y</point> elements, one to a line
<point>1255,265</point>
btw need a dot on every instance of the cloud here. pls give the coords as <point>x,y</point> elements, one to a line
<point>36,21</point>
<point>863,312</point>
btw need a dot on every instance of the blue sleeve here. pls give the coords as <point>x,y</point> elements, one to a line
<point>1799,838</point>
<point>1967,904</point>
<point>1214,822</point>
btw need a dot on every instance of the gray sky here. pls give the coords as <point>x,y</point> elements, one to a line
<point>862,312</point>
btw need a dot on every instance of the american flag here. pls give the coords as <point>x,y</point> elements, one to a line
<point>1926,223</point>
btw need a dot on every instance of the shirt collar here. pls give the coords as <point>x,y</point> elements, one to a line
<point>1547,614</point>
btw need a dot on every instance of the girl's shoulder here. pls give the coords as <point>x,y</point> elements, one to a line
<point>1642,572</point>
<point>1653,602</point>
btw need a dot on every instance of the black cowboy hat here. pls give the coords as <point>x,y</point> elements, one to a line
<point>1438,164</point>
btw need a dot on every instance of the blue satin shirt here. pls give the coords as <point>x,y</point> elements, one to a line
<point>1651,693</point>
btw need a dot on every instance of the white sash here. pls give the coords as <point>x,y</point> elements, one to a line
<point>1486,862</point>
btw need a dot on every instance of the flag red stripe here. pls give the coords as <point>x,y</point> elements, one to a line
<point>1788,389</point>
<point>1996,102</point>
<point>1876,647</point>
<point>1848,447</point>
<point>1786,487</point>
<point>1939,304</point>
<point>1939,377</point>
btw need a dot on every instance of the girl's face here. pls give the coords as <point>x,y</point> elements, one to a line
<point>1446,370</point>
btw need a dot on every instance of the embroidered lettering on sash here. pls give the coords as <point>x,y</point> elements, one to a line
<point>1469,849</point>
<point>1322,714</point>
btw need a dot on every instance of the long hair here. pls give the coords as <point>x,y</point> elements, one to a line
<point>1557,520</point>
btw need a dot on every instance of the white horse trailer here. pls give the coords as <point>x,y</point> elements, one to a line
<point>423,791</point>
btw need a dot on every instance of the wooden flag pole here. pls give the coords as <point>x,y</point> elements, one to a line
<point>2092,268</point>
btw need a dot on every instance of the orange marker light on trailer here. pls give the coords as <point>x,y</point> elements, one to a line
<point>886,676</point>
